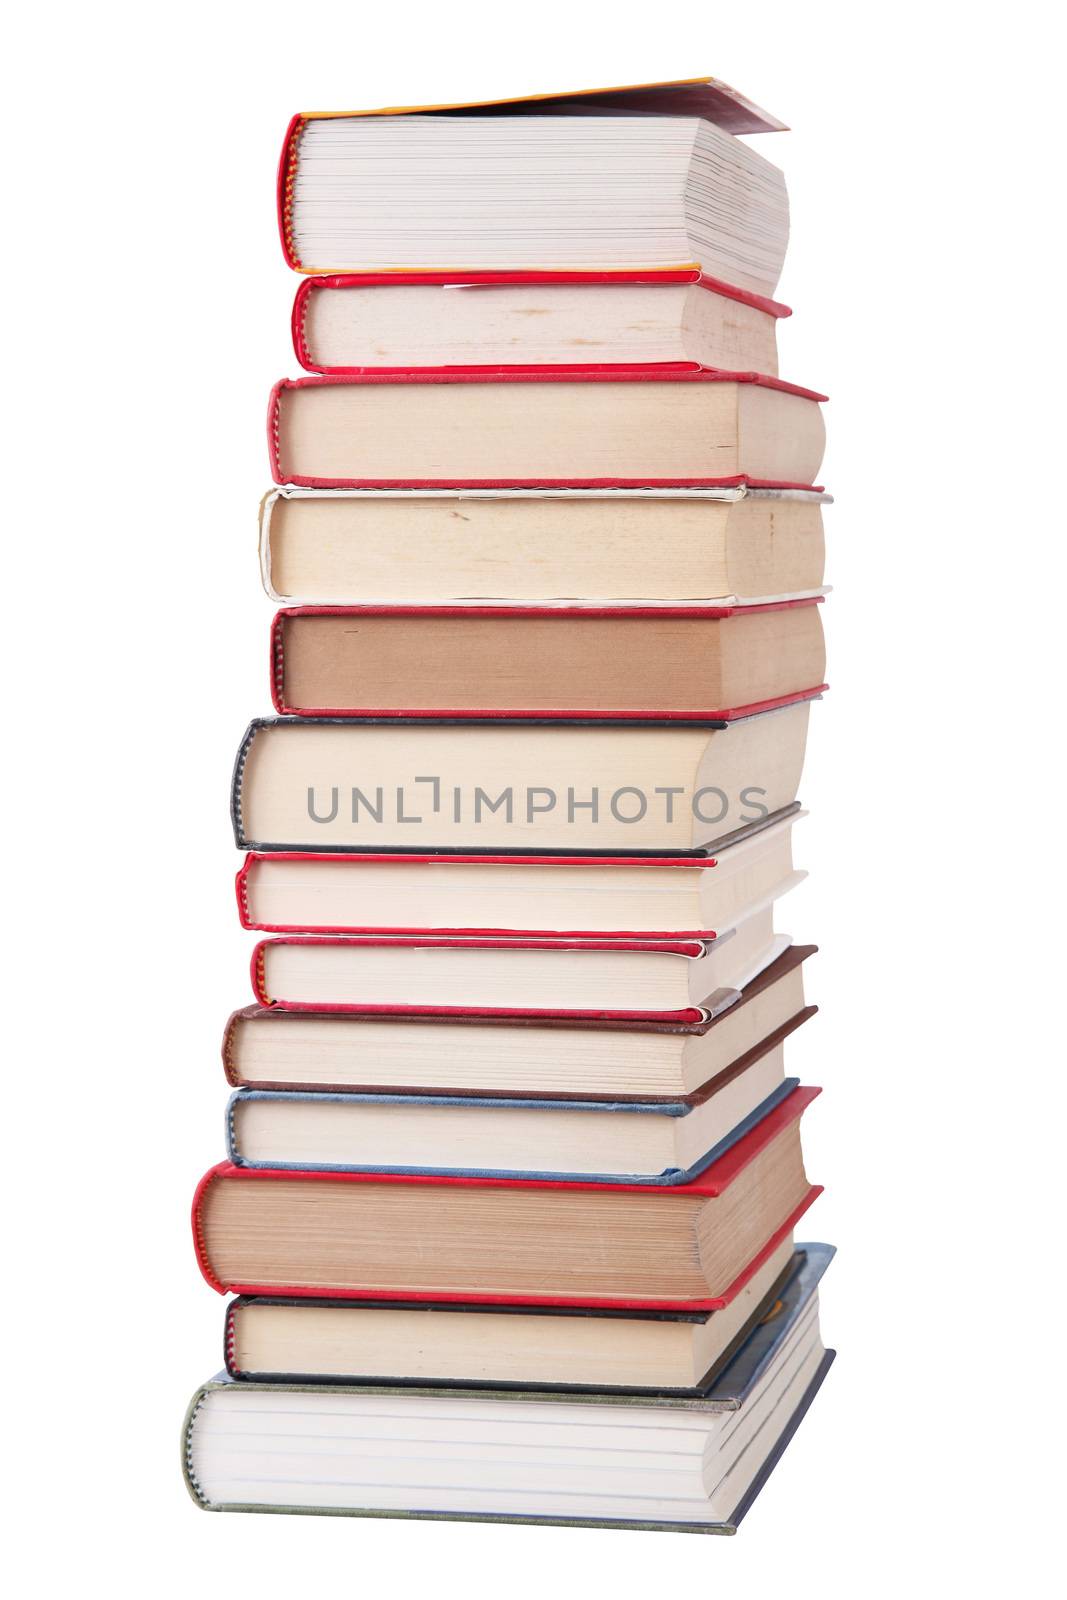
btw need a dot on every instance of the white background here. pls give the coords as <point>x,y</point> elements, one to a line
<point>145,318</point>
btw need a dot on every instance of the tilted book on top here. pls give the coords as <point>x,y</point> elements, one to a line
<point>650,176</point>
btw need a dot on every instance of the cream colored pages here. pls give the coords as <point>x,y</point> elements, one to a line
<point>355,973</point>
<point>382,1342</point>
<point>348,432</point>
<point>323,893</point>
<point>359,973</point>
<point>412,325</point>
<point>335,786</point>
<point>353,546</point>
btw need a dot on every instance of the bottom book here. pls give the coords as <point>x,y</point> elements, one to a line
<point>683,1464</point>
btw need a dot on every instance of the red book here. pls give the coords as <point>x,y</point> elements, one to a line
<point>393,322</point>
<point>685,663</point>
<point>513,896</point>
<point>644,427</point>
<point>636,979</point>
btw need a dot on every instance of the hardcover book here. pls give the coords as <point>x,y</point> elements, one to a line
<point>689,663</point>
<point>579,897</point>
<point>523,1240</point>
<point>645,177</point>
<point>650,980</point>
<point>463,546</point>
<point>625,427</point>
<point>393,321</point>
<point>489,786</point>
<point>686,1464</point>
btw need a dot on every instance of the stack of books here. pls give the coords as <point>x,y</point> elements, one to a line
<point>514,1160</point>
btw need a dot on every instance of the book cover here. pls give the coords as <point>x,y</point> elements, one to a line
<point>422,377</point>
<point>502,278</point>
<point>671,1175</point>
<point>442,627</point>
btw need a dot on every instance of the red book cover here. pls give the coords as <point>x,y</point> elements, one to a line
<point>693,949</point>
<point>253,857</point>
<point>553,614</point>
<point>416,375</point>
<point>501,279</point>
<point>711,1184</point>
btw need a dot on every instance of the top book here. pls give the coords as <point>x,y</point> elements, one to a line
<point>648,177</point>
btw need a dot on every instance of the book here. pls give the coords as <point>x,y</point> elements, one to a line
<point>650,980</point>
<point>639,426</point>
<point>498,785</point>
<point>563,1348</point>
<point>392,321</point>
<point>729,546</point>
<point>578,181</point>
<point>578,1138</point>
<point>537,1241</point>
<point>582,1140</point>
<point>266,1047</point>
<point>694,662</point>
<point>632,1142</point>
<point>681,1463</point>
<point>516,895</point>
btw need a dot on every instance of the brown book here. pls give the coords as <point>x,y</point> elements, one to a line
<point>691,661</point>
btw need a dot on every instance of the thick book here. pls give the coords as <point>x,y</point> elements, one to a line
<point>523,1240</point>
<point>542,1058</point>
<point>393,321</point>
<point>645,177</point>
<point>500,785</point>
<point>695,663</point>
<point>691,1464</point>
<point>673,546</point>
<point>567,1349</point>
<point>535,896</point>
<point>644,980</point>
<point>635,1141</point>
<point>628,426</point>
